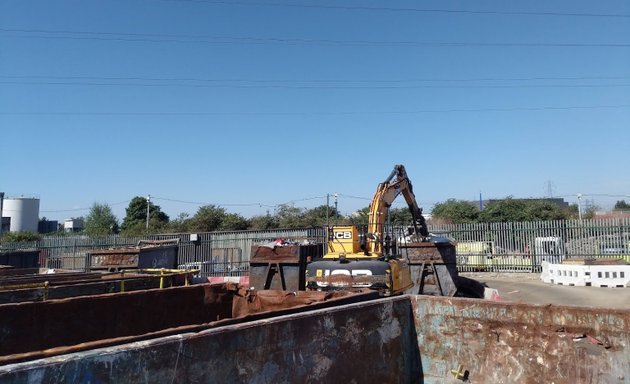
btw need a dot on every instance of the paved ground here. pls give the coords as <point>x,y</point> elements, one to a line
<point>528,288</point>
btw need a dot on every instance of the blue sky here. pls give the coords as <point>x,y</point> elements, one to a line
<point>251,104</point>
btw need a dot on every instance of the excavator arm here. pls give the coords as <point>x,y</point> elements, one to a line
<point>396,183</point>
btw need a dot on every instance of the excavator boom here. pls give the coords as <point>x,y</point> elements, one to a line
<point>396,183</point>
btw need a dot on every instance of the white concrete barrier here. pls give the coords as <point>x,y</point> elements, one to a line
<point>567,274</point>
<point>612,276</point>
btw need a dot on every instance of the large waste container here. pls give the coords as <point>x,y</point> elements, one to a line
<point>146,255</point>
<point>20,258</point>
<point>281,267</point>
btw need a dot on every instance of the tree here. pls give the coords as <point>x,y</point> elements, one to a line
<point>289,216</point>
<point>541,210</point>
<point>100,221</point>
<point>572,211</point>
<point>181,224</point>
<point>207,219</point>
<point>621,205</point>
<point>233,222</point>
<point>397,216</point>
<point>590,212</point>
<point>261,222</point>
<point>456,211</point>
<point>136,217</point>
<point>400,216</point>
<point>503,211</point>
<point>360,217</point>
<point>20,237</point>
<point>513,210</point>
<point>321,216</point>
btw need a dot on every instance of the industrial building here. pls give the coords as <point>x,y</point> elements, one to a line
<point>74,224</point>
<point>19,214</point>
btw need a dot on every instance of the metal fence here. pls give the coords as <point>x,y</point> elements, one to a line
<point>480,247</point>
<point>214,254</point>
<point>523,246</point>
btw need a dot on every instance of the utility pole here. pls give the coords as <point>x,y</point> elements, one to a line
<point>579,197</point>
<point>336,211</point>
<point>148,209</point>
<point>327,205</point>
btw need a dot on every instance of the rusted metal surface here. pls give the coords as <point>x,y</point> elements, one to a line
<point>281,267</point>
<point>41,325</point>
<point>45,291</point>
<point>22,277</point>
<point>248,302</point>
<point>433,267</point>
<point>280,254</point>
<point>520,343</point>
<point>216,297</point>
<point>120,259</point>
<point>440,251</point>
<point>367,342</point>
<point>111,319</point>
<point>410,339</point>
<point>157,254</point>
<point>31,285</point>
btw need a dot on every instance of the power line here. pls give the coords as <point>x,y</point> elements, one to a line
<point>83,209</point>
<point>254,204</point>
<point>257,204</point>
<point>303,199</point>
<point>243,113</point>
<point>395,203</point>
<point>316,81</point>
<point>66,210</point>
<point>217,204</point>
<point>219,39</point>
<point>354,197</point>
<point>592,195</point>
<point>406,9</point>
<point>605,195</point>
<point>285,86</point>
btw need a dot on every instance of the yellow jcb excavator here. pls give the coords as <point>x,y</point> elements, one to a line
<point>360,257</point>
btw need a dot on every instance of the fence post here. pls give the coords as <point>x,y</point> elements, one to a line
<point>74,249</point>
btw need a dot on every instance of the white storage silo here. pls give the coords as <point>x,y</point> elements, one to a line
<point>24,213</point>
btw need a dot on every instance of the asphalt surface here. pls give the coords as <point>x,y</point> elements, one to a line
<point>528,288</point>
